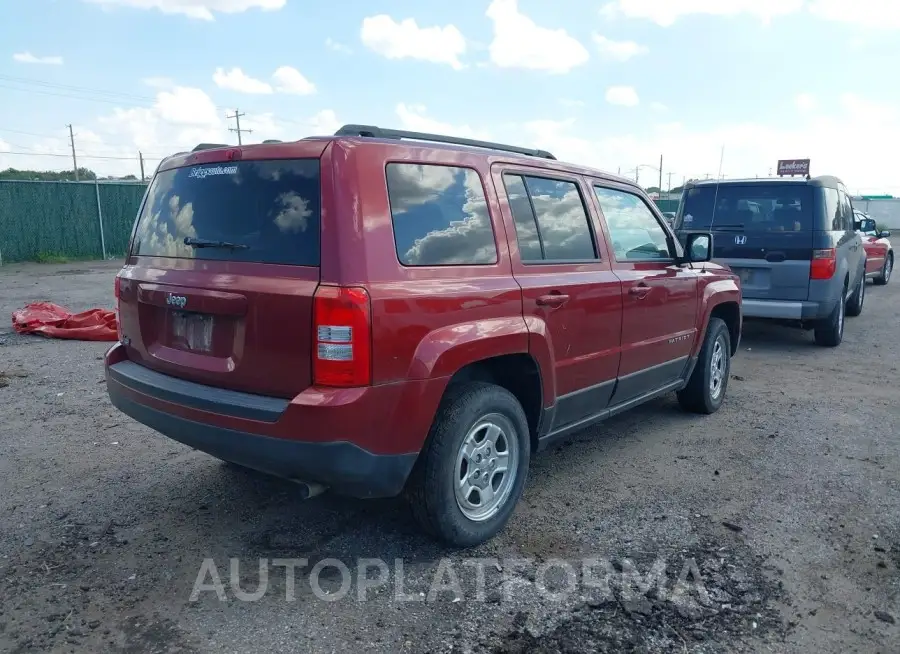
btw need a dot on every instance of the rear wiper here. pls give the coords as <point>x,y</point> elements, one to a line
<point>224,245</point>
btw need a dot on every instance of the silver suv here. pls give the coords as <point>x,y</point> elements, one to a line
<point>793,243</point>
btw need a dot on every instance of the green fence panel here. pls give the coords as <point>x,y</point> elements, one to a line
<point>47,220</point>
<point>119,204</point>
<point>667,205</point>
<point>40,219</point>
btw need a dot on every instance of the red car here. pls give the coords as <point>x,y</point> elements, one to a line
<point>879,253</point>
<point>386,312</point>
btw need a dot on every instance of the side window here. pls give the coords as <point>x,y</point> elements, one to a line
<point>551,220</point>
<point>526,224</point>
<point>834,211</point>
<point>440,216</point>
<point>635,231</point>
<point>846,213</point>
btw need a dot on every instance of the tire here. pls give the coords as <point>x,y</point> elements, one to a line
<point>705,390</point>
<point>463,417</point>
<point>829,332</point>
<point>856,301</point>
<point>886,270</point>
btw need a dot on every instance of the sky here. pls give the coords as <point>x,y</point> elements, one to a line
<point>614,84</point>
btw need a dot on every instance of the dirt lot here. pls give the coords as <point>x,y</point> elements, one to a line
<point>780,515</point>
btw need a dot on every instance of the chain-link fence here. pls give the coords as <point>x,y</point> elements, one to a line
<point>51,221</point>
<point>66,220</point>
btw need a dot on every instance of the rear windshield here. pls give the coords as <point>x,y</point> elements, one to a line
<point>260,211</point>
<point>749,208</point>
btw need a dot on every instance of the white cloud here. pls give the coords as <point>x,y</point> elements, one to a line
<point>863,157</point>
<point>406,40</point>
<point>290,80</point>
<point>659,107</point>
<point>624,96</point>
<point>323,123</point>
<point>333,45</point>
<point>520,43</point>
<point>415,118</point>
<point>198,9</point>
<point>28,58</point>
<point>876,14</point>
<point>805,102</point>
<point>667,12</point>
<point>618,50</point>
<point>237,80</point>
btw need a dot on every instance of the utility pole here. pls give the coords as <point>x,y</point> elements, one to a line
<point>72,142</point>
<point>141,157</point>
<point>660,175</point>
<point>237,119</point>
<point>637,173</point>
<point>670,182</point>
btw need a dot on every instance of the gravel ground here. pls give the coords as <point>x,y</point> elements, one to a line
<point>772,526</point>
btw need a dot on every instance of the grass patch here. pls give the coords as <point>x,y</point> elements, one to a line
<point>51,257</point>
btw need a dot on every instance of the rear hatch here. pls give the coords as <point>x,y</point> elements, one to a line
<point>762,231</point>
<point>223,268</point>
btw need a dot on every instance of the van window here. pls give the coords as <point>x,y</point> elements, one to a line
<point>267,210</point>
<point>754,207</point>
<point>833,208</point>
<point>439,215</point>
<point>551,220</point>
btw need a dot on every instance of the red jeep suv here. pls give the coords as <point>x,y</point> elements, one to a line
<point>383,312</point>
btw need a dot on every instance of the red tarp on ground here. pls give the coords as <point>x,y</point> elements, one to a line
<point>48,319</point>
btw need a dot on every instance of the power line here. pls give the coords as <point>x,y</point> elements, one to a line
<point>68,155</point>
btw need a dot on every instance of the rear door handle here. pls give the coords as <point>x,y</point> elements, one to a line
<point>552,300</point>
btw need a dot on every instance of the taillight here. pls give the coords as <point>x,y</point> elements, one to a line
<point>117,292</point>
<point>823,264</point>
<point>342,348</point>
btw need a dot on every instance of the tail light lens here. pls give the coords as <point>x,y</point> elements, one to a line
<point>823,264</point>
<point>117,292</point>
<point>342,332</point>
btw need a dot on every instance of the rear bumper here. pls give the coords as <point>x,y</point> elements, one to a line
<point>310,439</point>
<point>785,309</point>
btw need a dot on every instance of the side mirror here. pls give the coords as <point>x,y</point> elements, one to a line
<point>866,225</point>
<point>883,234</point>
<point>698,248</point>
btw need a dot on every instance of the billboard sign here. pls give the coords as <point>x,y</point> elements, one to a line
<point>793,167</point>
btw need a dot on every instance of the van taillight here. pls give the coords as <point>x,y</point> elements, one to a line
<point>342,346</point>
<point>823,264</point>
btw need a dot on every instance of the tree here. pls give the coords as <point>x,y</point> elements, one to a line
<point>652,189</point>
<point>47,175</point>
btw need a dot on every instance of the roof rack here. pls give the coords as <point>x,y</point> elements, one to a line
<point>268,141</point>
<point>209,146</point>
<point>372,131</point>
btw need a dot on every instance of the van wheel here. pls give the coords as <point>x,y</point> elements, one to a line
<point>705,390</point>
<point>886,270</point>
<point>830,331</point>
<point>855,305</point>
<point>469,478</point>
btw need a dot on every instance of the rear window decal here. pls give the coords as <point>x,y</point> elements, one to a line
<point>200,173</point>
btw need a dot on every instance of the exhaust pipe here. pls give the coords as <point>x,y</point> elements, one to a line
<point>310,489</point>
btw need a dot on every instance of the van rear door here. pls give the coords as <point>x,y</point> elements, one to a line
<point>762,230</point>
<point>223,269</point>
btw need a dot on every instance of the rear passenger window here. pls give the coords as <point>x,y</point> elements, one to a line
<point>833,209</point>
<point>551,221</point>
<point>635,231</point>
<point>440,215</point>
